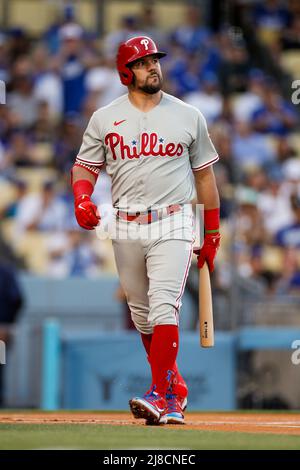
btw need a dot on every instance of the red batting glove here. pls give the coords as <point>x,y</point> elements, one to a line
<point>212,237</point>
<point>208,250</point>
<point>86,212</point>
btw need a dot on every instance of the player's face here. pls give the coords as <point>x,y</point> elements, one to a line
<point>147,75</point>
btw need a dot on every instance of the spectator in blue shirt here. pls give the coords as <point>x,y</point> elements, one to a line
<point>73,68</point>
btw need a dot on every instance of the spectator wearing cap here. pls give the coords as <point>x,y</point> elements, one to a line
<point>73,68</point>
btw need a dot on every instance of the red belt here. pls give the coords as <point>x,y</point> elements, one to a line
<point>149,216</point>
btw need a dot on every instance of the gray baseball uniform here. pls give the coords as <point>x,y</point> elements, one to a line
<point>150,158</point>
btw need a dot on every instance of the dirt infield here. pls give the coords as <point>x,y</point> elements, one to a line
<point>267,423</point>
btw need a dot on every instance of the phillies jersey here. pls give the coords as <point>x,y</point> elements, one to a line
<point>149,156</point>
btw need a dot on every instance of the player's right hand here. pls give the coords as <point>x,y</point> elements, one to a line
<point>208,250</point>
<point>86,212</point>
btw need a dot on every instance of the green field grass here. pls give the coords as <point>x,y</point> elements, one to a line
<point>93,436</point>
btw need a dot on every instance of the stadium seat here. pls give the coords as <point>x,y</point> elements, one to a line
<point>32,247</point>
<point>7,192</point>
<point>42,153</point>
<point>272,258</point>
<point>35,177</point>
<point>290,61</point>
<point>7,229</point>
<point>294,140</point>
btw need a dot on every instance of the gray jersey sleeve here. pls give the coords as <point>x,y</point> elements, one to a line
<point>92,151</point>
<point>202,151</point>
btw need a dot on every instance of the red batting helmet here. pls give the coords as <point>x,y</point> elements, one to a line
<point>131,50</point>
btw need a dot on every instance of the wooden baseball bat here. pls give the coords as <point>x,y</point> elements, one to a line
<point>206,321</point>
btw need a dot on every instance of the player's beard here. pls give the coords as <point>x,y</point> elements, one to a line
<point>149,88</point>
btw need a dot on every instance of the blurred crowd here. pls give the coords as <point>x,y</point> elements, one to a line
<point>54,84</point>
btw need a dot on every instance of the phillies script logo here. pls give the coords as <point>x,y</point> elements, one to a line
<point>151,145</point>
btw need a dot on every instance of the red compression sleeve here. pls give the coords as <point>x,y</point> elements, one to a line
<point>212,220</point>
<point>82,188</point>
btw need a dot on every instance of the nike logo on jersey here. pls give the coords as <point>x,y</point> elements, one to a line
<point>116,123</point>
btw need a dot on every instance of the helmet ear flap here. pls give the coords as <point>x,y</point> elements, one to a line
<point>126,76</point>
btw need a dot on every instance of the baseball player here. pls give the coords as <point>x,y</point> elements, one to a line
<point>157,151</point>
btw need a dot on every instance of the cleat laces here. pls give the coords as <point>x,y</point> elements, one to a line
<point>172,402</point>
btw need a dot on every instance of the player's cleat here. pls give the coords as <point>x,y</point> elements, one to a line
<point>151,407</point>
<point>176,399</point>
<point>175,408</point>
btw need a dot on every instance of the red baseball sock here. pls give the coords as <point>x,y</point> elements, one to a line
<point>163,353</point>
<point>147,345</point>
<point>146,339</point>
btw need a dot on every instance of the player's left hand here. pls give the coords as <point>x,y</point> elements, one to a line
<point>208,250</point>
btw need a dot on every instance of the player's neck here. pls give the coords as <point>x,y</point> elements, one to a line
<point>143,101</point>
